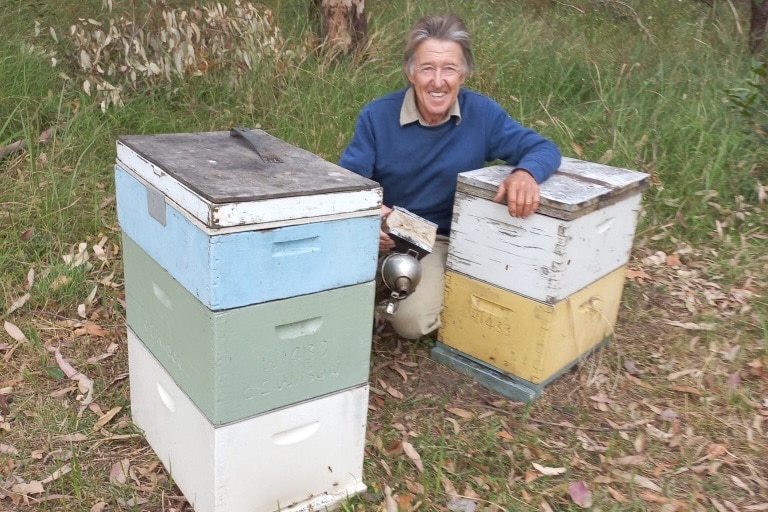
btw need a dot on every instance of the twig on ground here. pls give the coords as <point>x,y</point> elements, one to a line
<point>20,145</point>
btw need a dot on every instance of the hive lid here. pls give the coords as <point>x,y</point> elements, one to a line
<point>577,188</point>
<point>221,179</point>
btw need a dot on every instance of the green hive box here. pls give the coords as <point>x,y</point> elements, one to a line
<point>242,362</point>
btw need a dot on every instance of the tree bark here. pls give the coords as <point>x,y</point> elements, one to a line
<point>345,26</point>
<point>757,25</point>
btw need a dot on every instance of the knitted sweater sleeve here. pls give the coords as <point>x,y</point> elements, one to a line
<point>519,146</point>
<point>360,154</point>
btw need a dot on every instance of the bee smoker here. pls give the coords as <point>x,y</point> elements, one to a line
<point>401,271</point>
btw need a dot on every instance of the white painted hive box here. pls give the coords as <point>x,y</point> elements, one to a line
<point>583,229</point>
<point>301,458</point>
<point>235,229</point>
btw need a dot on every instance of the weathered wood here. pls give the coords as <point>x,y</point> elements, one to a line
<point>542,257</point>
<point>576,189</point>
<point>224,169</point>
<point>414,231</point>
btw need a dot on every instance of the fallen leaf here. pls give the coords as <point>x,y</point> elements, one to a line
<point>118,474</point>
<point>84,383</point>
<point>630,460</point>
<point>461,504</point>
<point>456,427</point>
<point>668,415</point>
<point>636,479</point>
<point>757,508</point>
<point>99,507</point>
<point>686,389</point>
<point>691,326</point>
<point>33,487</point>
<point>14,332</point>
<point>631,367</point>
<point>730,354</point>
<point>63,470</point>
<point>91,329</point>
<point>617,495</point>
<point>660,500</point>
<point>111,350</point>
<point>673,260</point>
<point>548,471</point>
<point>716,450</point>
<point>106,418</point>
<point>411,452</point>
<point>404,501</point>
<point>691,371</point>
<point>18,303</point>
<point>640,443</point>
<point>27,234</point>
<point>415,487</point>
<point>739,483</point>
<point>580,494</point>
<point>8,449</point>
<point>637,275</point>
<point>461,413</point>
<point>718,506</point>
<point>74,438</point>
<point>448,486</point>
<point>545,507</point>
<point>392,391</point>
<point>389,501</point>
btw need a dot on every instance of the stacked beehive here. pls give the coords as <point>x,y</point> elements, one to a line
<point>525,299</point>
<point>249,282</point>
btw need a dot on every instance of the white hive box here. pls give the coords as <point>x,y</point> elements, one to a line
<point>302,458</point>
<point>583,229</point>
<point>235,229</point>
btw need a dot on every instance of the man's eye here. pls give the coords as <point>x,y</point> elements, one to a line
<point>450,71</point>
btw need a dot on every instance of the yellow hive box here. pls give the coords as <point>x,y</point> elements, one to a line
<point>520,337</point>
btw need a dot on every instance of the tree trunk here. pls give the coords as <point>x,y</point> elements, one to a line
<point>345,26</point>
<point>757,25</point>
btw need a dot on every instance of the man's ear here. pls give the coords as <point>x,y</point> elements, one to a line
<point>408,75</point>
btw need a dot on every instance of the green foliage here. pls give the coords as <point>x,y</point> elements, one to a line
<point>750,102</point>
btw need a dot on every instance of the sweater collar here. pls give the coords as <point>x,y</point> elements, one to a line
<point>409,112</point>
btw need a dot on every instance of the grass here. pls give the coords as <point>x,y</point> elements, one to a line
<point>638,84</point>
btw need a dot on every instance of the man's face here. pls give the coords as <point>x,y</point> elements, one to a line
<point>437,75</point>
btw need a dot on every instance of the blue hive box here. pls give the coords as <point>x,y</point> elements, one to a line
<point>234,228</point>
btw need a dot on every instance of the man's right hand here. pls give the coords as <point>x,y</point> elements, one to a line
<point>386,244</point>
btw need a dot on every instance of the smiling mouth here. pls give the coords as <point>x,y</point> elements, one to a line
<point>437,94</point>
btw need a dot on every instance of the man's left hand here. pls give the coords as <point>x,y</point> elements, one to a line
<point>521,193</point>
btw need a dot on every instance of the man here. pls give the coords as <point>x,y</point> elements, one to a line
<point>416,141</point>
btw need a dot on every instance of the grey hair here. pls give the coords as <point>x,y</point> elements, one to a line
<point>448,27</point>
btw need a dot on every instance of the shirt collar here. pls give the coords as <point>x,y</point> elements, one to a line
<point>409,113</point>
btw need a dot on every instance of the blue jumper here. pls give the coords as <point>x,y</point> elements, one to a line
<point>417,165</point>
